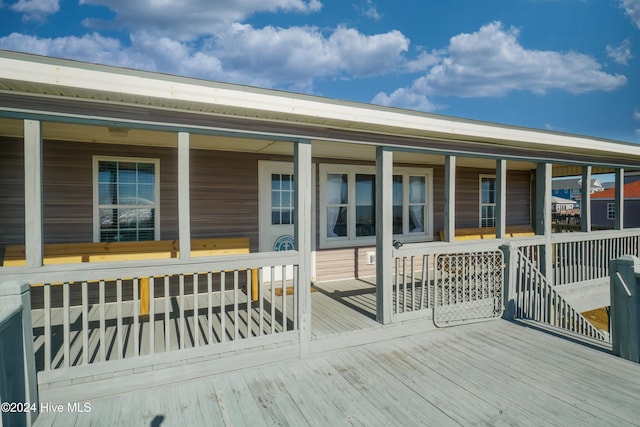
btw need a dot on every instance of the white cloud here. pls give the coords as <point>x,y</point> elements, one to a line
<point>269,57</point>
<point>620,54</point>
<point>632,8</point>
<point>297,56</point>
<point>35,10</point>
<point>187,20</point>
<point>405,98</point>
<point>491,63</point>
<point>370,11</point>
<point>423,62</point>
<point>90,47</point>
<point>636,115</point>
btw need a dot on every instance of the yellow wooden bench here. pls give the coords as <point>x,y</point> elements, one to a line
<point>490,232</point>
<point>66,253</point>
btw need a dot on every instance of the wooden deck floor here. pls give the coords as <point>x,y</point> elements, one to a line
<point>343,306</point>
<point>490,373</point>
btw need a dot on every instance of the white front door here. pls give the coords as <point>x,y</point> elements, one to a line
<point>276,210</point>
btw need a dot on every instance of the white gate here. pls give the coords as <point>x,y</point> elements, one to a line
<point>468,287</point>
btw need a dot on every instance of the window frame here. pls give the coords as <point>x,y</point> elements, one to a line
<point>96,190</point>
<point>611,211</point>
<point>480,202</point>
<point>351,171</point>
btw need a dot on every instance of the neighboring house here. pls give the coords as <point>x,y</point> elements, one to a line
<point>107,161</point>
<point>571,188</point>
<point>603,207</point>
<point>562,206</point>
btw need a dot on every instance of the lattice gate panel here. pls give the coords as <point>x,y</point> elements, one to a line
<point>468,287</point>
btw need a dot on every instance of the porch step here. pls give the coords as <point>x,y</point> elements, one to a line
<point>587,295</point>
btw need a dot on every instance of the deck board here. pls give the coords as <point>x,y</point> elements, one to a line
<point>489,373</point>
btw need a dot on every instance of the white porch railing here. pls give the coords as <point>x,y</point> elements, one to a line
<point>90,314</point>
<point>580,257</point>
<point>536,299</point>
<point>432,275</point>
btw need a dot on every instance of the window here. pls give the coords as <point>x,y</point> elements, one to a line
<point>126,197</point>
<point>611,211</point>
<point>282,199</point>
<point>348,204</point>
<point>487,201</point>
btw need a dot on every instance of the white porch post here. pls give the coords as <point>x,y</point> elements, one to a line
<point>384,234</point>
<point>619,199</point>
<point>501,198</point>
<point>585,204</point>
<point>302,234</point>
<point>33,237</point>
<point>184,209</point>
<point>449,198</point>
<point>543,215</point>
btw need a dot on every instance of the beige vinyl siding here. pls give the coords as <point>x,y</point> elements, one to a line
<point>224,195</point>
<point>343,263</point>
<point>224,191</point>
<point>68,188</point>
<point>11,191</point>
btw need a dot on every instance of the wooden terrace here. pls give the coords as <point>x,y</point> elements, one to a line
<point>488,373</point>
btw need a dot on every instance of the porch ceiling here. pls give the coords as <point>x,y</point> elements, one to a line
<point>321,149</point>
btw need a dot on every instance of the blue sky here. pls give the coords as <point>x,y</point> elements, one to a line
<point>564,65</point>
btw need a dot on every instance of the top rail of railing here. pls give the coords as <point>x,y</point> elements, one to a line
<point>425,248</point>
<point>141,268</point>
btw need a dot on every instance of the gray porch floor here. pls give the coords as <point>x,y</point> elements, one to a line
<point>489,373</point>
<point>343,306</point>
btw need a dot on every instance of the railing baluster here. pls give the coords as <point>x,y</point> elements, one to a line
<point>260,300</point>
<point>273,300</point>
<point>47,326</point>
<point>404,284</point>
<point>65,324</point>
<point>136,314</point>
<point>223,306</point>
<point>181,319</point>
<point>249,312</point>
<point>196,322</point>
<point>85,324</point>
<point>295,299</point>
<point>119,318</point>
<point>283,274</point>
<point>397,284</point>
<point>103,327</point>
<point>167,315</point>
<point>235,304</point>
<point>209,307</point>
<point>413,284</point>
<point>152,315</point>
<point>424,295</point>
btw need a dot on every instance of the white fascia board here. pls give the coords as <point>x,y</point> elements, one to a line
<point>145,84</point>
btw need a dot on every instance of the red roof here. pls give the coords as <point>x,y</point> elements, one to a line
<point>631,191</point>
